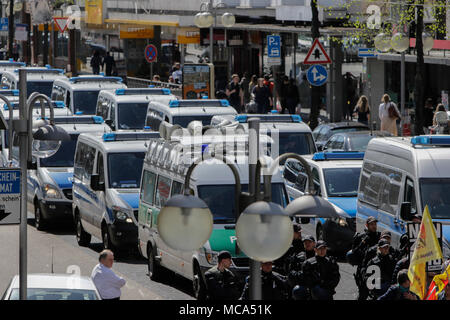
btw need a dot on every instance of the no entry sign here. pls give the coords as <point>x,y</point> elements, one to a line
<point>151,53</point>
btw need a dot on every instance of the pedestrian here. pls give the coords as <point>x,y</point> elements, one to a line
<point>235,94</point>
<point>109,64</point>
<point>262,97</point>
<point>268,82</point>
<point>295,275</point>
<point>107,282</point>
<point>253,83</point>
<point>96,62</point>
<point>385,264</point>
<point>245,81</point>
<point>221,283</point>
<point>171,79</point>
<point>177,74</point>
<point>388,113</point>
<point>362,110</point>
<point>304,93</point>
<point>372,251</point>
<point>400,291</point>
<point>156,78</point>
<point>284,93</point>
<point>440,108</point>
<point>321,273</point>
<point>403,261</point>
<point>361,243</point>
<point>274,285</point>
<point>282,264</point>
<point>428,112</point>
<point>293,98</point>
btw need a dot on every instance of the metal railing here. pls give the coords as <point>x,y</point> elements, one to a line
<point>177,89</point>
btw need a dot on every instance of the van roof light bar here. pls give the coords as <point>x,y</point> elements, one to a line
<point>430,140</point>
<point>143,91</point>
<point>273,117</point>
<point>130,136</point>
<point>95,79</point>
<point>338,155</point>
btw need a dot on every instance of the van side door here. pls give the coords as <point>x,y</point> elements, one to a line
<point>100,204</point>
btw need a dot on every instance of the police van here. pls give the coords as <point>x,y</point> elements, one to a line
<point>50,181</point>
<point>107,177</point>
<point>59,110</point>
<point>126,109</point>
<point>80,93</point>
<point>183,112</point>
<point>164,173</point>
<point>399,177</point>
<point>38,79</point>
<point>10,65</point>
<point>336,177</point>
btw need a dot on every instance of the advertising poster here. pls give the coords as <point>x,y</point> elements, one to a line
<point>196,81</point>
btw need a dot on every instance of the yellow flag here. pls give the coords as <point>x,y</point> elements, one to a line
<point>427,248</point>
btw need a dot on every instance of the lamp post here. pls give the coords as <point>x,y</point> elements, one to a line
<point>206,18</point>
<point>400,43</point>
<point>264,230</point>
<point>49,132</point>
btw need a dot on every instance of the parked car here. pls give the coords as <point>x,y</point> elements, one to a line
<point>353,141</point>
<point>325,131</point>
<point>54,287</point>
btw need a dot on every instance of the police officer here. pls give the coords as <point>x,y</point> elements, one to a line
<point>361,243</point>
<point>221,282</point>
<point>372,251</point>
<point>295,276</point>
<point>321,273</point>
<point>274,285</point>
<point>403,263</point>
<point>282,264</point>
<point>386,264</point>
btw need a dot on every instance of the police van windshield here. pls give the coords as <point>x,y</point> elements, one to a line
<point>434,193</point>
<point>185,120</point>
<point>132,115</point>
<point>220,199</point>
<point>85,101</point>
<point>44,87</point>
<point>299,143</point>
<point>125,169</point>
<point>63,158</point>
<point>342,182</point>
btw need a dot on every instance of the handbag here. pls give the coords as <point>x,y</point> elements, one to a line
<point>392,112</point>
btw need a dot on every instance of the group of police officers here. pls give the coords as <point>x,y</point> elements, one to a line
<point>306,272</point>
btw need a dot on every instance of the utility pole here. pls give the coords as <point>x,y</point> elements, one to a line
<point>11,28</point>
<point>315,91</point>
<point>420,70</point>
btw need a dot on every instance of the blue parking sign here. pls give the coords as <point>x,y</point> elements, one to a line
<point>274,46</point>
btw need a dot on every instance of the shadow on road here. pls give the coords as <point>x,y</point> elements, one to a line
<point>65,228</point>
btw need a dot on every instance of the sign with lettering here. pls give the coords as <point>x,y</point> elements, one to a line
<point>413,232</point>
<point>10,196</point>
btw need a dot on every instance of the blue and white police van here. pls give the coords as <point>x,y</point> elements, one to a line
<point>80,93</point>
<point>38,79</point>
<point>50,181</point>
<point>399,177</point>
<point>107,178</point>
<point>10,65</point>
<point>126,109</point>
<point>336,177</point>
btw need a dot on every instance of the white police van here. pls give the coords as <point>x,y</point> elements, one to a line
<point>50,181</point>
<point>107,177</point>
<point>38,79</point>
<point>164,173</point>
<point>59,110</point>
<point>10,65</point>
<point>336,178</point>
<point>80,93</point>
<point>183,112</point>
<point>399,177</point>
<point>126,109</point>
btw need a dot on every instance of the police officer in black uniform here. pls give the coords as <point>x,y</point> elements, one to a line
<point>372,251</point>
<point>321,273</point>
<point>403,263</point>
<point>221,282</point>
<point>386,264</point>
<point>361,243</point>
<point>274,285</point>
<point>281,265</point>
<point>295,275</point>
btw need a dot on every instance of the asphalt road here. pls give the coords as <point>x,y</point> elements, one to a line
<point>59,242</point>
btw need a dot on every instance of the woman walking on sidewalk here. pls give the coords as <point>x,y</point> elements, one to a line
<point>388,113</point>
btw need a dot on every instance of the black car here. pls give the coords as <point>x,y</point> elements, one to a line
<point>353,141</point>
<point>325,131</point>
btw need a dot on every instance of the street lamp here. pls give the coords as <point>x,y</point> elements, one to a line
<point>206,18</point>
<point>48,132</point>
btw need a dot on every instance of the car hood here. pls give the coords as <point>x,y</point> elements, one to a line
<point>130,198</point>
<point>346,204</point>
<point>62,177</point>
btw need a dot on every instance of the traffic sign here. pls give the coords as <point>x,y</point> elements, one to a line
<point>273,50</point>
<point>151,53</point>
<point>317,54</point>
<point>367,52</point>
<point>61,23</point>
<point>317,75</point>
<point>10,196</point>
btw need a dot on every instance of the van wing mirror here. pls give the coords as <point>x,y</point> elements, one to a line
<point>405,211</point>
<point>95,183</point>
<point>108,122</point>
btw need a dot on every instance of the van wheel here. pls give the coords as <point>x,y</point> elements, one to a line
<point>39,221</point>
<point>198,283</point>
<point>154,269</point>
<point>319,232</point>
<point>83,238</point>
<point>106,239</point>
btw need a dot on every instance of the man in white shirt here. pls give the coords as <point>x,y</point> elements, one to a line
<point>107,282</point>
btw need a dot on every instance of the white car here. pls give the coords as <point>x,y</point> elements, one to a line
<point>54,287</point>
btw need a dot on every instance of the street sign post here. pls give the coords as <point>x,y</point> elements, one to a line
<point>274,50</point>
<point>151,53</point>
<point>9,196</point>
<point>317,75</point>
<point>317,54</point>
<point>367,52</point>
